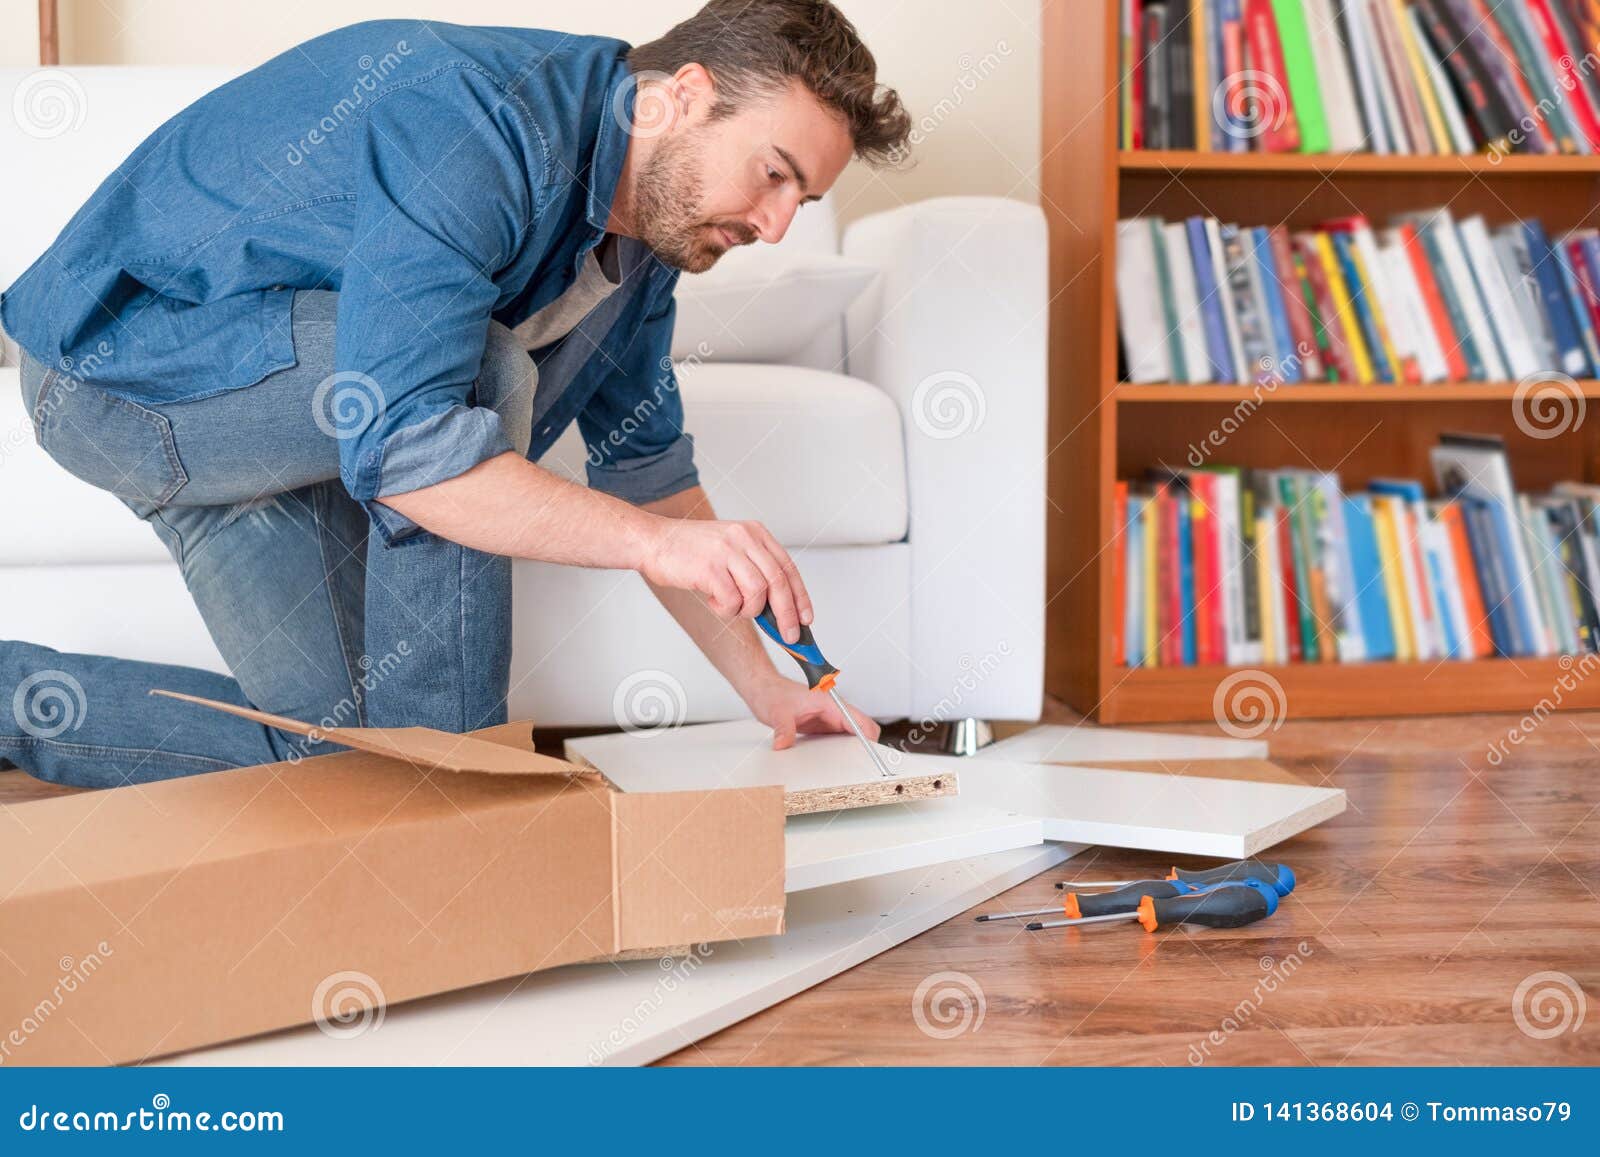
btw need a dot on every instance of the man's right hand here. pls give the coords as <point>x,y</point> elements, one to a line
<point>737,567</point>
<point>507,505</point>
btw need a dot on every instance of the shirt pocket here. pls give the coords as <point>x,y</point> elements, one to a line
<point>107,441</point>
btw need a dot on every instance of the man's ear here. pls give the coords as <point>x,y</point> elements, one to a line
<point>693,88</point>
<point>661,102</point>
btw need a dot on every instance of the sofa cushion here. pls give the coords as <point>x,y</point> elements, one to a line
<point>765,311</point>
<point>818,457</point>
<point>743,309</point>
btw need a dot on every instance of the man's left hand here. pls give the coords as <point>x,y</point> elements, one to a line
<point>790,709</point>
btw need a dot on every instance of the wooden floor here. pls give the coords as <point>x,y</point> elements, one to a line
<point>1447,884</point>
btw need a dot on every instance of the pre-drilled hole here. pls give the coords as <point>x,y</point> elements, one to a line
<point>937,784</point>
<point>899,789</point>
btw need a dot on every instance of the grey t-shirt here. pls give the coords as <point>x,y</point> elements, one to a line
<point>599,277</point>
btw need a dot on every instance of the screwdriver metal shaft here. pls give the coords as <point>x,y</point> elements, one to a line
<point>819,673</point>
<point>872,752</point>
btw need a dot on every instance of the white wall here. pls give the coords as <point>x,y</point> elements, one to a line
<point>969,71</point>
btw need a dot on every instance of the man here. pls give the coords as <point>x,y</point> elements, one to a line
<point>317,329</point>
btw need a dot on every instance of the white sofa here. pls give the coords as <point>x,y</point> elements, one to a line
<point>900,456</point>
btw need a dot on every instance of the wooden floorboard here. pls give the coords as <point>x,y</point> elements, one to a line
<point>1448,882</point>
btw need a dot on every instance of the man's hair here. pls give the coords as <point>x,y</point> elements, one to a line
<point>755,48</point>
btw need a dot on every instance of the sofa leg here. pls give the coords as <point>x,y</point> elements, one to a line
<point>967,736</point>
<point>954,737</point>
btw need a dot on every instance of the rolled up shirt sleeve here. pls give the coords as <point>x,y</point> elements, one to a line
<point>632,427</point>
<point>443,200</point>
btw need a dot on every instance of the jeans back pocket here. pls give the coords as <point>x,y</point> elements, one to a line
<point>107,441</point>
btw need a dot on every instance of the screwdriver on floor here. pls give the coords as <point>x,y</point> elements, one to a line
<point>1278,875</point>
<point>1124,899</point>
<point>1228,905</point>
<point>819,673</point>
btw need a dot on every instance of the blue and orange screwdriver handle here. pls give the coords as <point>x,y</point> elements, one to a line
<point>1230,904</point>
<point>1280,876</point>
<point>819,673</point>
<point>1076,905</point>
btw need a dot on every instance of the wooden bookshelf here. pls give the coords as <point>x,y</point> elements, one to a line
<point>1365,164</point>
<point>1102,430</point>
<point>1125,392</point>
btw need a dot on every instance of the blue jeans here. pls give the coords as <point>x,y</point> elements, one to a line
<point>316,619</point>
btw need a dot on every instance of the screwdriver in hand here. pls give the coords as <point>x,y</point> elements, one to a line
<point>1228,905</point>
<point>819,673</point>
<point>1278,875</point>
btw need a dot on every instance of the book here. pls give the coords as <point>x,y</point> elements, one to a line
<point>1139,307</point>
<point>1277,119</point>
<point>1190,324</point>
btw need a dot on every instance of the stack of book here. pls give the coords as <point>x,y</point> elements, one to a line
<point>1388,76</point>
<point>1428,299</point>
<point>1258,567</point>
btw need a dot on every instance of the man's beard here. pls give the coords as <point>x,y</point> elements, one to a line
<point>666,202</point>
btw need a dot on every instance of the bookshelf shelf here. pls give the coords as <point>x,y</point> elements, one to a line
<point>1102,429</point>
<point>1365,164</point>
<point>1157,694</point>
<point>1374,394</point>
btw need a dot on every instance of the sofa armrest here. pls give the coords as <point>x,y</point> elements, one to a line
<point>954,330</point>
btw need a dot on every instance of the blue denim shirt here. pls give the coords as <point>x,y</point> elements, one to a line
<point>436,176</point>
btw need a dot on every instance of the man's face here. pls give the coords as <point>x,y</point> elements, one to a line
<point>707,185</point>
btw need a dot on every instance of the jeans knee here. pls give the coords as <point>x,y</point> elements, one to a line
<point>506,381</point>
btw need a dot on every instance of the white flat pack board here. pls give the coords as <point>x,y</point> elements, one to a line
<point>640,1011</point>
<point>819,773</point>
<point>1151,810</point>
<point>1088,743</point>
<point>1156,811</point>
<point>836,847</point>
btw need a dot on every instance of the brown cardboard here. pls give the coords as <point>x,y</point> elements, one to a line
<point>151,919</point>
<point>422,746</point>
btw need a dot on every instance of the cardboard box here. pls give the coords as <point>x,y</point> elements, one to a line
<point>152,919</point>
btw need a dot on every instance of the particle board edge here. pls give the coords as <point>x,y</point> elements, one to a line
<point>871,794</point>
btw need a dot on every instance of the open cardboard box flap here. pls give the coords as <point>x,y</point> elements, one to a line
<point>416,745</point>
<point>161,917</point>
